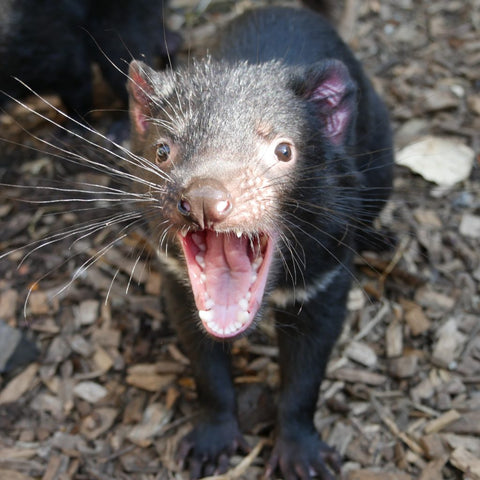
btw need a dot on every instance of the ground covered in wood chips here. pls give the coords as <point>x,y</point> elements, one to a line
<point>98,387</point>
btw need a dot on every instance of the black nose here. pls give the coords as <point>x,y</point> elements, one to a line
<point>205,202</point>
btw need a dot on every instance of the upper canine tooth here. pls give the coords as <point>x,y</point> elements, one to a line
<point>238,233</point>
<point>256,263</point>
<point>199,241</point>
<point>243,317</point>
<point>200,260</point>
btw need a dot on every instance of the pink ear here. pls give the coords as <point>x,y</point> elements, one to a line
<point>141,92</point>
<point>331,89</point>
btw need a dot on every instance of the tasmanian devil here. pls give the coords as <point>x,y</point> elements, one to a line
<point>262,165</point>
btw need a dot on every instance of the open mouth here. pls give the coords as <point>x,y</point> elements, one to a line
<point>228,273</point>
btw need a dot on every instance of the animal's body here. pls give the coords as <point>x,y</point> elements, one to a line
<point>50,45</point>
<point>263,164</point>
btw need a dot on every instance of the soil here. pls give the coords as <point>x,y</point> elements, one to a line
<point>94,384</point>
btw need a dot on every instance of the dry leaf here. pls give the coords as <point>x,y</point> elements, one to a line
<point>438,160</point>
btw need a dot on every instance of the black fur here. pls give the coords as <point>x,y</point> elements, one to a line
<point>276,73</point>
<point>51,44</point>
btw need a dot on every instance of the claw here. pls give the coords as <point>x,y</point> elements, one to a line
<point>208,448</point>
<point>195,469</point>
<point>223,463</point>
<point>242,445</point>
<point>184,449</point>
<point>303,458</point>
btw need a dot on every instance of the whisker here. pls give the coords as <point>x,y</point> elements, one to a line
<point>130,158</point>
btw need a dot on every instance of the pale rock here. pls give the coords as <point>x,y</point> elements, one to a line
<point>90,391</point>
<point>470,225</point>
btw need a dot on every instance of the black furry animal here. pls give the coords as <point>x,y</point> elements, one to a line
<point>51,44</point>
<point>261,165</point>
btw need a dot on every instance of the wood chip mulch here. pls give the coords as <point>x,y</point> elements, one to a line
<point>94,384</point>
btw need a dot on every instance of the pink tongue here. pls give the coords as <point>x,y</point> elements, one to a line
<point>228,268</point>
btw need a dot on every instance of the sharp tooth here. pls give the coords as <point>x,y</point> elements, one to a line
<point>206,316</point>
<point>248,296</point>
<point>183,233</point>
<point>213,326</point>
<point>243,317</point>
<point>243,304</point>
<point>203,278</point>
<point>254,277</point>
<point>209,304</point>
<point>200,260</point>
<point>257,262</point>
<point>238,233</point>
<point>199,241</point>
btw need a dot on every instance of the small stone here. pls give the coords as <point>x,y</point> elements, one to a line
<point>90,391</point>
<point>431,299</point>
<point>39,303</point>
<point>87,312</point>
<point>154,419</point>
<point>427,217</point>
<point>361,353</point>
<point>19,385</point>
<point>394,340</point>
<point>470,225</point>
<point>356,299</point>
<point>448,345</point>
<point>8,304</point>
<point>404,367</point>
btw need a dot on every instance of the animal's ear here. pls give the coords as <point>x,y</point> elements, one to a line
<point>141,93</point>
<point>331,90</point>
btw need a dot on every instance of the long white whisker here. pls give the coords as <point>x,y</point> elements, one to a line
<point>139,161</point>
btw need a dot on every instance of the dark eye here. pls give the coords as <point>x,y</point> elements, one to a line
<point>283,151</point>
<point>163,152</point>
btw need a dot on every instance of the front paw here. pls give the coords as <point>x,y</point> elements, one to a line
<point>209,446</point>
<point>303,457</point>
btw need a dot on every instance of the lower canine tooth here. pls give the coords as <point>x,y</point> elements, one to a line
<point>206,315</point>
<point>209,304</point>
<point>237,325</point>
<point>243,317</point>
